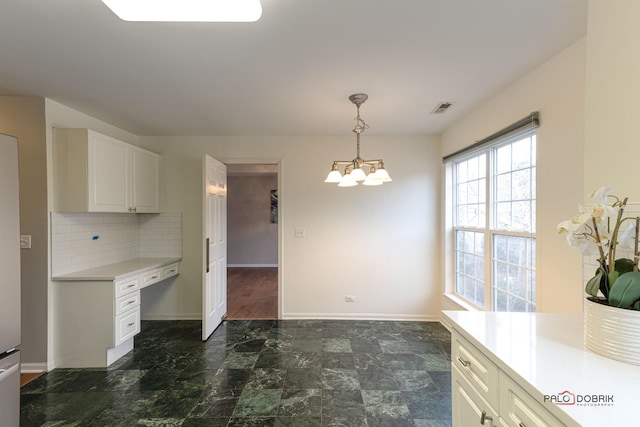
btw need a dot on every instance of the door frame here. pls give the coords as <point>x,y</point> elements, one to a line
<point>281,205</point>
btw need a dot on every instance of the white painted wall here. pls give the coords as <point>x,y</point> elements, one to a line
<point>252,238</point>
<point>613,95</point>
<point>557,90</point>
<point>380,244</point>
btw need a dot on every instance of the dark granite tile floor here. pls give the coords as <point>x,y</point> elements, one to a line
<point>258,373</point>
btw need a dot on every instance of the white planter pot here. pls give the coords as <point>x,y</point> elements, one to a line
<point>612,332</point>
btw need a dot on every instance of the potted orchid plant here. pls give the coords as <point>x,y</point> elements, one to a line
<point>601,229</point>
<point>612,310</point>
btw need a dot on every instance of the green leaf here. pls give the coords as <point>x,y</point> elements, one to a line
<point>626,290</point>
<point>623,265</point>
<point>613,276</point>
<point>593,285</point>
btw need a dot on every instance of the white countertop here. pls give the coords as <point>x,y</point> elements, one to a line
<point>545,354</point>
<point>117,270</point>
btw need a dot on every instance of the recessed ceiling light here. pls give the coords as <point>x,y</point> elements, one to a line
<point>186,10</point>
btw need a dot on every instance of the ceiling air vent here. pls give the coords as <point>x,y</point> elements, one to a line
<point>441,107</point>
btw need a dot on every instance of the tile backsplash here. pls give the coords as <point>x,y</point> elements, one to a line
<point>86,240</point>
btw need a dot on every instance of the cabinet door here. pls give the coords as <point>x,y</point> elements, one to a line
<point>468,408</point>
<point>145,172</point>
<point>520,409</point>
<point>108,174</point>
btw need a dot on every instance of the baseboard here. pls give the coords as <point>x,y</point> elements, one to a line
<point>188,316</point>
<point>32,368</point>
<point>253,265</point>
<point>363,316</point>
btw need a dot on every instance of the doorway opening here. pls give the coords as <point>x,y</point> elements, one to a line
<point>252,240</point>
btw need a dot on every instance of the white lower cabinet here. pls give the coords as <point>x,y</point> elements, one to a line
<point>92,317</point>
<point>468,407</point>
<point>483,395</point>
<point>519,409</point>
<point>96,320</point>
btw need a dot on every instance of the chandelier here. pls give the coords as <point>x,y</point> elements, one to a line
<point>353,172</point>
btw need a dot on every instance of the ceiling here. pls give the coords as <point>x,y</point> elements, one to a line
<point>291,72</point>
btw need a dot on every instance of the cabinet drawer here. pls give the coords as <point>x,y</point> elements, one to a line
<point>468,407</point>
<point>170,270</point>
<point>126,286</point>
<point>127,302</point>
<point>519,409</point>
<point>127,325</point>
<point>481,373</point>
<point>151,277</point>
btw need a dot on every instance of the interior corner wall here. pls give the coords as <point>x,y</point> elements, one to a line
<point>23,118</point>
<point>252,237</point>
<point>612,93</point>
<point>557,90</point>
<point>379,244</point>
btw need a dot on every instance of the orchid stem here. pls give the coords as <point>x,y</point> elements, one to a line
<point>598,242</point>
<point>635,246</point>
<point>614,237</point>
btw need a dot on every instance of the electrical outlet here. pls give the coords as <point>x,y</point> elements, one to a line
<point>349,298</point>
<point>25,241</point>
<point>300,233</point>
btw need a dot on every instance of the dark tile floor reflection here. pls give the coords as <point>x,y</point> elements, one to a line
<point>258,373</point>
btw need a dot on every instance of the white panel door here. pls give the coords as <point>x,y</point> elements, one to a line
<point>214,293</point>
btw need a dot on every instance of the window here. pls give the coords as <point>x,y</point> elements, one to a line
<point>492,193</point>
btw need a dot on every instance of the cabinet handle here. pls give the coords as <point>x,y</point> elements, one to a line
<point>133,301</point>
<point>130,324</point>
<point>131,285</point>
<point>153,277</point>
<point>484,417</point>
<point>521,424</point>
<point>134,209</point>
<point>465,363</point>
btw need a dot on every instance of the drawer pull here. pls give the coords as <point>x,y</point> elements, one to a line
<point>173,270</point>
<point>465,363</point>
<point>484,417</point>
<point>521,424</point>
<point>153,277</point>
<point>130,324</point>
<point>131,285</point>
<point>131,302</point>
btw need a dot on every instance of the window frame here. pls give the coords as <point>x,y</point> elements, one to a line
<point>489,229</point>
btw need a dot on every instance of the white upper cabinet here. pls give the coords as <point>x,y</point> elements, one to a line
<point>144,180</point>
<point>97,173</point>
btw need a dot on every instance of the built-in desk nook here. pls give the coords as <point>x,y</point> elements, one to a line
<point>97,311</point>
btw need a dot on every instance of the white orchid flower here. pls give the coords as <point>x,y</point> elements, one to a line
<point>600,196</point>
<point>627,239</point>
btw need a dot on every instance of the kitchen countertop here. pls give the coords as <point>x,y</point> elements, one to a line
<point>117,270</point>
<point>545,354</point>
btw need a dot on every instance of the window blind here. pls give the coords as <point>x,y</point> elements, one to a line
<point>522,126</point>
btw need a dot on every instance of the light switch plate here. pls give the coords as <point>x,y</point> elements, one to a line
<point>25,241</point>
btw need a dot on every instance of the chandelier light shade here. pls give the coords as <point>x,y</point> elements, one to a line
<point>353,172</point>
<point>186,10</point>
